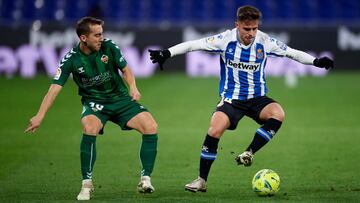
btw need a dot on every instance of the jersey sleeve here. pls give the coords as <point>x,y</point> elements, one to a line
<point>215,43</point>
<point>63,71</point>
<point>119,59</point>
<point>276,47</point>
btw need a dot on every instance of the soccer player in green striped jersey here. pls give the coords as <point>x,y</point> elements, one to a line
<point>106,96</point>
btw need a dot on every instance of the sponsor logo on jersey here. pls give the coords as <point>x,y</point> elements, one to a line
<point>96,80</point>
<point>244,66</point>
<point>57,74</point>
<point>259,54</point>
<point>81,70</point>
<point>104,59</point>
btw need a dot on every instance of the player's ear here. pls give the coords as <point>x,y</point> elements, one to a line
<point>237,24</point>
<point>83,38</point>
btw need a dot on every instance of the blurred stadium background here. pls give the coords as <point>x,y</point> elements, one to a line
<point>194,12</point>
<point>316,151</point>
<point>37,33</point>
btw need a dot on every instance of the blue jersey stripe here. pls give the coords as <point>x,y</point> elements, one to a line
<point>230,83</point>
<point>230,55</point>
<point>244,85</point>
<point>260,54</point>
<point>265,91</point>
<point>222,76</point>
<point>230,51</point>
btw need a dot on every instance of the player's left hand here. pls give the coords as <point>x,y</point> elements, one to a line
<point>159,56</point>
<point>324,62</point>
<point>135,94</point>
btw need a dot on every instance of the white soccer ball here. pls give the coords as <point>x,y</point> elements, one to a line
<point>266,182</point>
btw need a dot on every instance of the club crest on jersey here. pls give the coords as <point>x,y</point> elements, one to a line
<point>259,54</point>
<point>81,70</point>
<point>104,59</point>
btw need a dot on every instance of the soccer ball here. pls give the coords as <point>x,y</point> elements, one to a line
<point>266,182</point>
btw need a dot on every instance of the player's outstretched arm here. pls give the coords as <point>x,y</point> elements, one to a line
<point>305,58</point>
<point>47,102</point>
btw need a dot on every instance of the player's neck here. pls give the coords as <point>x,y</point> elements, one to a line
<point>85,49</point>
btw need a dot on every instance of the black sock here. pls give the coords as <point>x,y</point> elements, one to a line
<point>208,155</point>
<point>264,134</point>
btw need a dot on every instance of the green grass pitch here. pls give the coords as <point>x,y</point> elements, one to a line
<point>316,152</point>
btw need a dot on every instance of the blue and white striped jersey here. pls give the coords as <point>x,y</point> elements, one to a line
<point>242,67</point>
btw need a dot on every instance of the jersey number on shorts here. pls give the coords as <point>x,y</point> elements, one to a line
<point>96,107</point>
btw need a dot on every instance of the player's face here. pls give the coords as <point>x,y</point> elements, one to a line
<point>247,30</point>
<point>94,39</point>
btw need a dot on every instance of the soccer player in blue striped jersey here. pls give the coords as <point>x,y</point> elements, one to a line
<point>243,54</point>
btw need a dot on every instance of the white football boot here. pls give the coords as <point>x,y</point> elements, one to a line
<point>246,158</point>
<point>86,189</point>
<point>198,184</point>
<point>144,185</point>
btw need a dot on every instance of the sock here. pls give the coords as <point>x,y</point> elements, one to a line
<point>208,155</point>
<point>148,152</point>
<point>264,134</point>
<point>87,155</point>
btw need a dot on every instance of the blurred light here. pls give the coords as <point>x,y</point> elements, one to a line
<point>39,3</point>
<point>19,3</point>
<point>36,25</point>
<point>59,14</point>
<point>16,14</point>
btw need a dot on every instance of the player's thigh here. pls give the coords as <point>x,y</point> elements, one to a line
<point>218,124</point>
<point>143,122</point>
<point>228,116</point>
<point>272,110</point>
<point>93,117</point>
<point>130,114</point>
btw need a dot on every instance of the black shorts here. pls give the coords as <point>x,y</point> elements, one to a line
<point>237,109</point>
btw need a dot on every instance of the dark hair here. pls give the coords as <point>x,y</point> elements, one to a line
<point>83,25</point>
<point>248,13</point>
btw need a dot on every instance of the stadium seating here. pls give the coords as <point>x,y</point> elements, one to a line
<point>178,12</point>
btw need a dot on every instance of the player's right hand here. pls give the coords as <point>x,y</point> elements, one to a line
<point>34,124</point>
<point>159,56</point>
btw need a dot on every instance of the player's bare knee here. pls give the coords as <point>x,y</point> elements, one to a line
<point>91,130</point>
<point>150,128</point>
<point>215,132</point>
<point>279,115</point>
